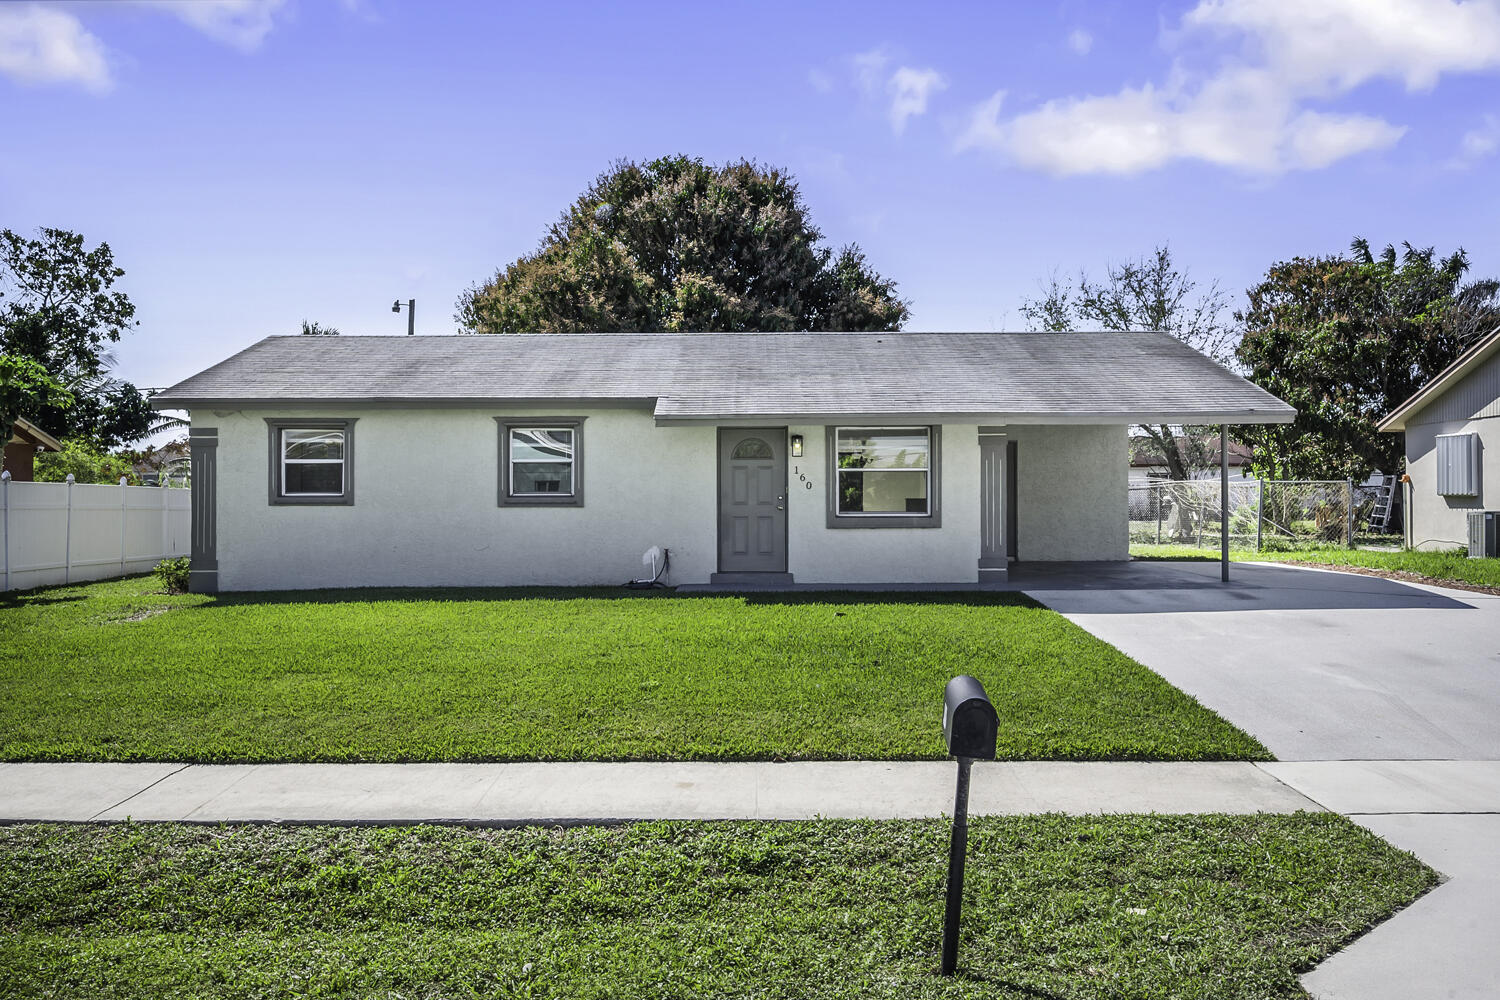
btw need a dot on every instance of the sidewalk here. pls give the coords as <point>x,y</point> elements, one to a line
<point>601,792</point>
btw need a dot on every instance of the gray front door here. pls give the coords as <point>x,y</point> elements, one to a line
<point>752,500</point>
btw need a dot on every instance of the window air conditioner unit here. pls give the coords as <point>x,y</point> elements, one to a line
<point>1484,534</point>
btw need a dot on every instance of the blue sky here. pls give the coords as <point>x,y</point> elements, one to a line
<point>253,163</point>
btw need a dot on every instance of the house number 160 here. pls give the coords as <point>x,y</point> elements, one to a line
<point>801,476</point>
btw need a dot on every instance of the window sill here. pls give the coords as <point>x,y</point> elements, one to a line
<point>882,521</point>
<point>541,501</point>
<point>295,501</point>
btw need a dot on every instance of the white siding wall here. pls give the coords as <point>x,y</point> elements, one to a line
<point>1439,522</point>
<point>1471,406</point>
<point>425,511</point>
<point>1072,485</point>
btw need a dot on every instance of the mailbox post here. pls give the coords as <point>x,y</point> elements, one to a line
<point>970,728</point>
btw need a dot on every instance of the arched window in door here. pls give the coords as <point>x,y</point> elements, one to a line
<point>751,449</point>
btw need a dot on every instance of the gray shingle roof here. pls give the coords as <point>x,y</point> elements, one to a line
<point>1014,377</point>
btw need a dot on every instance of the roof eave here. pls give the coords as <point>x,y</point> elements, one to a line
<point>1236,417</point>
<point>162,402</point>
<point>39,437</point>
<point>1465,363</point>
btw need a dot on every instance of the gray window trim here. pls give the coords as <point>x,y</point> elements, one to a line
<point>505,497</point>
<point>933,519</point>
<point>274,427</point>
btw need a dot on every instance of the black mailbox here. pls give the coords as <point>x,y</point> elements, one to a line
<point>970,724</point>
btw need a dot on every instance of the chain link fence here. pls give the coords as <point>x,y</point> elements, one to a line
<point>1264,514</point>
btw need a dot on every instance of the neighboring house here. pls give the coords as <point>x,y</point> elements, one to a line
<point>169,461</point>
<point>752,457</point>
<point>26,439</point>
<point>1149,465</point>
<point>1452,428</point>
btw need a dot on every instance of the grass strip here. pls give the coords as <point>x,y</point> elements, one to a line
<point>1058,907</point>
<point>1445,566</point>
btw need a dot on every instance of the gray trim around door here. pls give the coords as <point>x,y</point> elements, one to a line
<point>764,498</point>
<point>203,561</point>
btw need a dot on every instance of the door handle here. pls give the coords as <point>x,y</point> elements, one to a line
<point>781,502</point>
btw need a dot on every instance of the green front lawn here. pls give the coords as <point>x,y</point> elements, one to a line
<point>114,671</point>
<point>1447,566</point>
<point>1224,907</point>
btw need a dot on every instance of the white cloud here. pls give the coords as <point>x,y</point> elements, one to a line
<point>1080,41</point>
<point>1479,143</point>
<point>44,45</point>
<point>909,90</point>
<point>1343,43</point>
<point>1250,110</point>
<point>869,69</point>
<point>243,24</point>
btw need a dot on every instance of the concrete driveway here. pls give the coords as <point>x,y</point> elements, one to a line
<point>1317,665</point>
<point>1382,700</point>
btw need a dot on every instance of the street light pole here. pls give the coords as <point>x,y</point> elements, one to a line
<point>411,314</point>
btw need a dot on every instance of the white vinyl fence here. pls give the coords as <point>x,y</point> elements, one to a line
<point>69,532</point>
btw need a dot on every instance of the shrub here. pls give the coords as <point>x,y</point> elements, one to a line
<point>173,574</point>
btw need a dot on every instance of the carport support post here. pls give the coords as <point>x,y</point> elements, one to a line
<point>958,846</point>
<point>1224,502</point>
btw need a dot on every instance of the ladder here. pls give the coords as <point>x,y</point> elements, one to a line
<point>1383,515</point>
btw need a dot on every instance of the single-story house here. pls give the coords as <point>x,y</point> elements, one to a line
<point>26,439</point>
<point>824,458</point>
<point>1451,423</point>
<point>1148,464</point>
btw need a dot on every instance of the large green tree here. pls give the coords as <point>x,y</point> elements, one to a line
<point>1148,292</point>
<point>59,307</point>
<point>679,245</point>
<point>1346,339</point>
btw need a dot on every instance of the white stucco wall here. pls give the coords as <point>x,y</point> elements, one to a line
<point>426,513</point>
<point>946,554</point>
<point>1071,493</point>
<point>1439,522</point>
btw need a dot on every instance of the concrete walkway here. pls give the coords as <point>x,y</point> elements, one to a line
<point>595,793</point>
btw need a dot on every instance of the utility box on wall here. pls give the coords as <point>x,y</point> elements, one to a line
<point>1458,465</point>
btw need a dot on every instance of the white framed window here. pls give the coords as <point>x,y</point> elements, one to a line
<point>541,461</point>
<point>312,462</point>
<point>883,476</point>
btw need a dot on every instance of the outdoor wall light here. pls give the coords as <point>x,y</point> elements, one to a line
<point>796,445</point>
